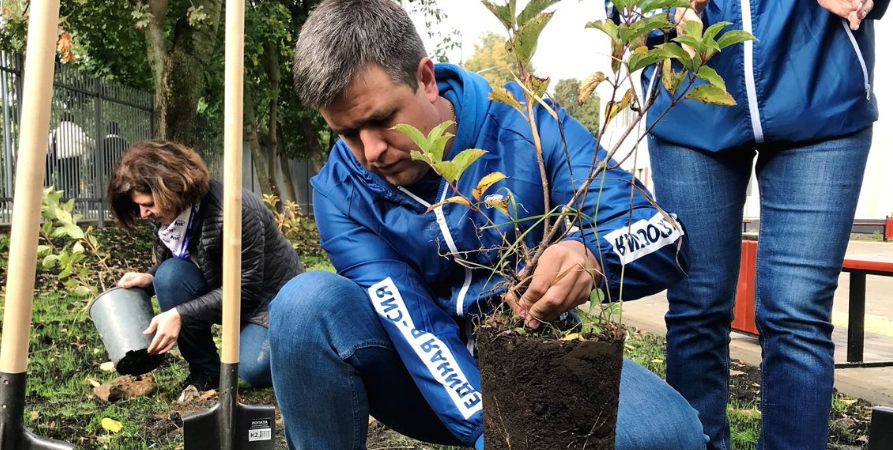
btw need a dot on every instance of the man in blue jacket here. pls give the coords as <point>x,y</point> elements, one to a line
<point>390,335</point>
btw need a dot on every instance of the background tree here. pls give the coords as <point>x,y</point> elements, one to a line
<point>588,113</point>
<point>492,60</point>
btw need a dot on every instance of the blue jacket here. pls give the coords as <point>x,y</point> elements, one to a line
<point>379,236</point>
<point>807,78</point>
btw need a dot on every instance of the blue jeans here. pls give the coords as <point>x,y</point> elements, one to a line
<point>334,365</point>
<point>808,197</point>
<point>179,281</point>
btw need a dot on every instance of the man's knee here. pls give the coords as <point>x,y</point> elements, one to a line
<point>310,300</point>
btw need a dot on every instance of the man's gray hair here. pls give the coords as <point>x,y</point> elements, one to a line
<point>343,37</point>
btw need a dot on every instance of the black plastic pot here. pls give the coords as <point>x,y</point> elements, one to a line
<point>120,316</point>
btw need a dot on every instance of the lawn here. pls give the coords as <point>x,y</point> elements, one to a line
<point>67,356</point>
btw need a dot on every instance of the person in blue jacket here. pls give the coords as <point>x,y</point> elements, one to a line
<point>805,108</point>
<point>390,334</point>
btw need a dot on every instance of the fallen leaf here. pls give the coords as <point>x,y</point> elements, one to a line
<point>93,382</point>
<point>111,425</point>
<point>107,366</point>
<point>35,415</point>
<point>735,373</point>
<point>571,337</point>
<point>657,361</point>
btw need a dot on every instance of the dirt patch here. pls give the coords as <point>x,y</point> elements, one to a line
<point>850,417</point>
<point>542,392</point>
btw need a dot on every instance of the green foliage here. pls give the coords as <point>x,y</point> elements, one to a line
<point>492,60</point>
<point>299,229</point>
<point>588,113</point>
<point>66,247</point>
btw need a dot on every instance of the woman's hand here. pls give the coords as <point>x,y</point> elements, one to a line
<point>854,11</point>
<point>166,327</point>
<point>563,279</point>
<point>135,279</point>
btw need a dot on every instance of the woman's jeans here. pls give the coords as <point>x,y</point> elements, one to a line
<point>179,281</point>
<point>334,365</point>
<point>808,197</point>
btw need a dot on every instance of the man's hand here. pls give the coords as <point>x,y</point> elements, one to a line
<point>134,279</point>
<point>693,14</point>
<point>851,10</point>
<point>563,279</point>
<point>166,327</point>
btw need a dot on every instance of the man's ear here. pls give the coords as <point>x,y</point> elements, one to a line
<point>426,80</point>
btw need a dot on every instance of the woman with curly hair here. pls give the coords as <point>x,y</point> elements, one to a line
<point>169,185</point>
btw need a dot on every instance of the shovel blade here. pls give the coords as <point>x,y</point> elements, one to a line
<point>251,427</point>
<point>13,434</point>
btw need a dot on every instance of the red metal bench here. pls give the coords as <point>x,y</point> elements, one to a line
<point>858,268</point>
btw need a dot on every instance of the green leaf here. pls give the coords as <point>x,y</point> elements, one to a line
<point>694,29</point>
<point>65,273</point>
<point>597,296</point>
<point>419,156</point>
<point>446,170</point>
<point>43,250</point>
<point>413,133</point>
<point>77,248</point>
<point>690,41</point>
<point>49,261</point>
<point>533,8</point>
<point>608,27</point>
<point>503,95</point>
<point>670,79</point>
<point>525,40</point>
<point>438,146</point>
<point>93,241</point>
<point>711,95</point>
<point>485,183</point>
<point>709,75</point>
<point>641,28</point>
<point>676,52</point>
<point>653,5</point>
<point>734,37</point>
<point>714,29</point>
<point>643,58</point>
<point>47,228</point>
<point>502,12</point>
<point>82,291</point>
<point>465,159</point>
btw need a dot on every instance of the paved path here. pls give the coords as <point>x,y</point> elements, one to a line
<point>872,384</point>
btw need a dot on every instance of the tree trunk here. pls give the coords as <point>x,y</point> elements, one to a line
<point>290,194</point>
<point>257,155</point>
<point>317,157</point>
<point>157,56</point>
<point>179,75</point>
<point>271,51</point>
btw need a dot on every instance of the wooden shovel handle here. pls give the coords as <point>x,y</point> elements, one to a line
<point>232,178</point>
<point>34,127</point>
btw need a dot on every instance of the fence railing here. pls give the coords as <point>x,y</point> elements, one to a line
<point>92,122</point>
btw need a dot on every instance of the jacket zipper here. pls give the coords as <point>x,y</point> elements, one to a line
<point>451,244</point>
<point>747,24</point>
<point>858,50</point>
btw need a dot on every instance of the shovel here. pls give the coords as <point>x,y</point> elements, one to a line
<point>230,425</point>
<point>35,123</point>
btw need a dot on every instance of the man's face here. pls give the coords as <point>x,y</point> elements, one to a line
<point>371,105</point>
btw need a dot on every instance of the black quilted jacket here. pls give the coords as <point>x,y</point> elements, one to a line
<point>268,260</point>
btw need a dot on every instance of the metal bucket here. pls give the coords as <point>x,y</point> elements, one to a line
<point>120,316</point>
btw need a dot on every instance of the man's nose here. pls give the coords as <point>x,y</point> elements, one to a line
<point>374,144</point>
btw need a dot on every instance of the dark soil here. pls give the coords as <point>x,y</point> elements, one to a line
<point>544,393</point>
<point>850,418</point>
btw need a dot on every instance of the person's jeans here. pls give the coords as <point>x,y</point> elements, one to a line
<point>808,197</point>
<point>178,281</point>
<point>334,365</point>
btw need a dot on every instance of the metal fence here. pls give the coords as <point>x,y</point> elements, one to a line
<point>92,122</point>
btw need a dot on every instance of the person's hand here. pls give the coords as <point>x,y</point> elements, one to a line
<point>854,11</point>
<point>563,279</point>
<point>166,327</point>
<point>134,279</point>
<point>685,15</point>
